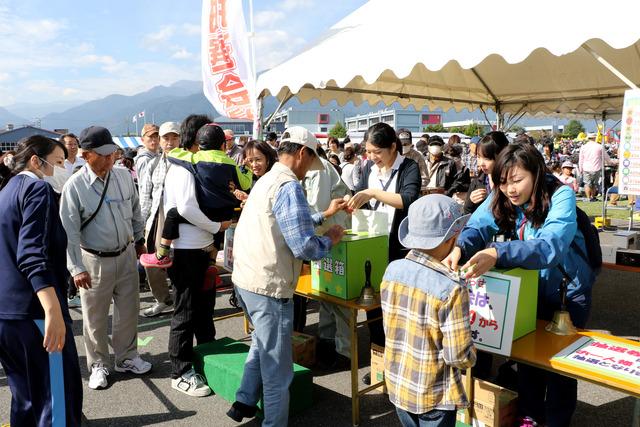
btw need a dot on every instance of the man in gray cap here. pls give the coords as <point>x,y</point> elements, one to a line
<point>101,215</point>
<point>426,317</point>
<point>151,200</point>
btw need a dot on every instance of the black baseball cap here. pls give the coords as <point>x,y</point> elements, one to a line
<point>98,139</point>
<point>435,140</point>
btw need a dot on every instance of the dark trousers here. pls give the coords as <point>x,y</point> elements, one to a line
<point>299,313</point>
<point>46,389</point>
<point>545,396</point>
<point>172,221</point>
<point>193,308</point>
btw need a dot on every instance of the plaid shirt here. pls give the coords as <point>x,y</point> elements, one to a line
<point>428,339</point>
<point>296,222</point>
<point>151,190</point>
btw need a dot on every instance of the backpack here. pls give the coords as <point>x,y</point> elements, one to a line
<point>593,257</point>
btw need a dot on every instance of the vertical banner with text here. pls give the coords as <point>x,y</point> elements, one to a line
<point>227,73</point>
<point>629,149</point>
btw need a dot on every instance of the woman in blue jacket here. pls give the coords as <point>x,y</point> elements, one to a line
<point>37,349</point>
<point>539,214</point>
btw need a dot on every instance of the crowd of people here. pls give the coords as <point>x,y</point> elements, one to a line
<point>77,227</point>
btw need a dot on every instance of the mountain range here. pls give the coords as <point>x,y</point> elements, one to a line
<point>165,103</point>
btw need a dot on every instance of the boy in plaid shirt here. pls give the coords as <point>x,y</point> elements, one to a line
<point>426,318</point>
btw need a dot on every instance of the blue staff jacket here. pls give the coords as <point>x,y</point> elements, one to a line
<point>537,248</point>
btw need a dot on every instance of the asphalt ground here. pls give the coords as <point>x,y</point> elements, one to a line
<point>149,400</point>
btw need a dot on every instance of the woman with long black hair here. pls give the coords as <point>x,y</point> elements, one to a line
<point>538,214</point>
<point>37,348</point>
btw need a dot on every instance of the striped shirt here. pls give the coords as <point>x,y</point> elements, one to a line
<point>428,339</point>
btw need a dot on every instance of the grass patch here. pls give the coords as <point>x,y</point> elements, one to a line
<point>594,209</point>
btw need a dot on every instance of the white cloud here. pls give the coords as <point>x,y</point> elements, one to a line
<point>182,53</point>
<point>275,46</point>
<point>69,91</point>
<point>4,77</point>
<point>155,41</point>
<point>268,18</point>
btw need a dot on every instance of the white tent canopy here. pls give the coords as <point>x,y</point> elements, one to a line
<point>509,56</point>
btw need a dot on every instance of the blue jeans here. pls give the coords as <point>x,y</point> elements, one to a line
<point>269,365</point>
<point>433,418</point>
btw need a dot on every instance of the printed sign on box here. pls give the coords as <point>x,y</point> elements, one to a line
<point>502,308</point>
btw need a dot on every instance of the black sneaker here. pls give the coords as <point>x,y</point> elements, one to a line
<point>239,410</point>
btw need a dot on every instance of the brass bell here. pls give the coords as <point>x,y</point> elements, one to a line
<point>561,323</point>
<point>368,295</point>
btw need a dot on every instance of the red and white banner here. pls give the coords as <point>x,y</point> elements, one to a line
<point>227,73</point>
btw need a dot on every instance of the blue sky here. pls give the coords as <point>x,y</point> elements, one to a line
<point>64,50</point>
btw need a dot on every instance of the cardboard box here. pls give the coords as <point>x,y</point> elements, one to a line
<point>304,349</point>
<point>493,406</point>
<point>624,239</point>
<point>221,362</point>
<point>341,272</point>
<point>609,253</point>
<point>377,367</point>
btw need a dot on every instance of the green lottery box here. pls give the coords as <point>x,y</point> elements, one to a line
<point>502,308</point>
<point>341,272</point>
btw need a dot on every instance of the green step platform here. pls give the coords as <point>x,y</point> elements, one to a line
<point>221,362</point>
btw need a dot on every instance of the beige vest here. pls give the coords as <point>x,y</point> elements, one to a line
<point>262,261</point>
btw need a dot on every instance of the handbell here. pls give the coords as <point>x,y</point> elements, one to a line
<point>368,295</point>
<point>561,324</point>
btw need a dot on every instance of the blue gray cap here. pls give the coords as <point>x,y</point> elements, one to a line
<point>432,220</point>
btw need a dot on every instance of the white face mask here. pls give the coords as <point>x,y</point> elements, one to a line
<point>59,177</point>
<point>435,150</point>
<point>406,149</point>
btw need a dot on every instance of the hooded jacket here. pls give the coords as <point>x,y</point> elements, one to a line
<point>216,175</point>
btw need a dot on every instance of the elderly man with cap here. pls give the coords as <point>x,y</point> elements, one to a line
<point>233,150</point>
<point>404,135</point>
<point>274,234</point>
<point>151,194</point>
<point>150,151</point>
<point>100,213</point>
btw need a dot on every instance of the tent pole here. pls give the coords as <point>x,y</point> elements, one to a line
<point>609,67</point>
<point>278,108</point>
<point>604,198</point>
<point>499,117</point>
<point>485,116</point>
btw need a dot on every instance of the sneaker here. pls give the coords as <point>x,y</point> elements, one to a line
<point>98,378</point>
<point>74,302</point>
<point>157,308</point>
<point>136,366</point>
<point>192,384</point>
<point>239,410</point>
<point>152,261</point>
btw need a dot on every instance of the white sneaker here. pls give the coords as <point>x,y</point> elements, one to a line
<point>135,365</point>
<point>157,308</point>
<point>98,378</point>
<point>192,384</point>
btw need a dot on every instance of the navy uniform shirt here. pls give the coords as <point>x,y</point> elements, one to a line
<point>32,248</point>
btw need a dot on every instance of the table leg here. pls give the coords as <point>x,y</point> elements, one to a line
<point>355,397</point>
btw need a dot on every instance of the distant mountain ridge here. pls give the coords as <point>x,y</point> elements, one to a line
<point>174,103</point>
